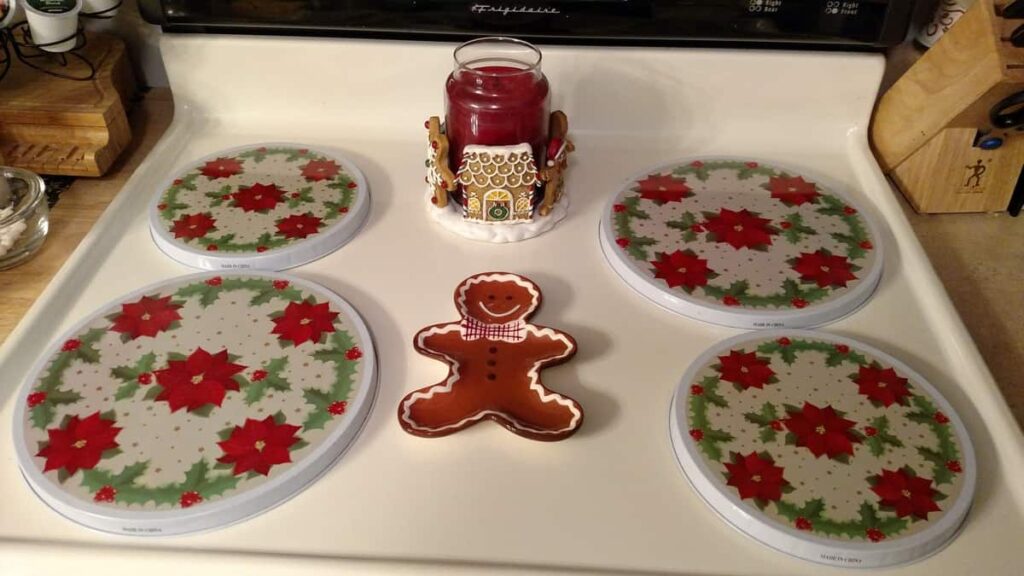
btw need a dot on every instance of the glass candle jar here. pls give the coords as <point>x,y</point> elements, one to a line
<point>24,215</point>
<point>496,96</point>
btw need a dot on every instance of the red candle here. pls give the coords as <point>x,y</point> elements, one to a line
<point>497,96</point>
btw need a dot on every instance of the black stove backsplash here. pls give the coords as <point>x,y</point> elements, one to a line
<point>854,24</point>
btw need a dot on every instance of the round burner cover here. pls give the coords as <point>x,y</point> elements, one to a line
<point>742,243</point>
<point>266,206</point>
<point>195,403</point>
<point>823,448</point>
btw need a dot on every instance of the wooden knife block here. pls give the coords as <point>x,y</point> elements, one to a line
<point>925,127</point>
<point>53,125</point>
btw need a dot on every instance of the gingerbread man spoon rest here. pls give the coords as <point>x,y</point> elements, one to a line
<point>495,357</point>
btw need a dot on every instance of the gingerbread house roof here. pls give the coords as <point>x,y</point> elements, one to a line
<point>498,166</point>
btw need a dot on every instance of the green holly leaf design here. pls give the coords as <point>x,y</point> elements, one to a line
<point>764,419</point>
<point>305,196</point>
<point>153,392</point>
<point>636,246</point>
<point>795,230</point>
<point>217,485</point>
<point>685,224</point>
<point>882,438</point>
<point>710,437</point>
<point>203,411</point>
<point>130,375</point>
<point>255,391</point>
<point>218,197</point>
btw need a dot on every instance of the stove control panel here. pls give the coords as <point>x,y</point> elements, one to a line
<point>845,23</point>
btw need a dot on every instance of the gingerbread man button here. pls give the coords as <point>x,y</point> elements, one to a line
<point>495,357</point>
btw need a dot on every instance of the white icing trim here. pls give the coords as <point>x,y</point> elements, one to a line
<point>498,277</point>
<point>495,314</point>
<point>450,217</point>
<point>534,375</point>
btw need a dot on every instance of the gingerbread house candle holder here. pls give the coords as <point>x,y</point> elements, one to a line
<point>496,165</point>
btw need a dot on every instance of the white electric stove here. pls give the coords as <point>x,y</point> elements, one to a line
<point>611,498</point>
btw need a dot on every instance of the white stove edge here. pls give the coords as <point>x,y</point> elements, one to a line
<point>22,555</point>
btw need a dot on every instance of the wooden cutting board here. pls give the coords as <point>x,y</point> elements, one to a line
<point>54,125</point>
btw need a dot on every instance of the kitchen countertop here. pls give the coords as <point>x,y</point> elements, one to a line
<point>977,256</point>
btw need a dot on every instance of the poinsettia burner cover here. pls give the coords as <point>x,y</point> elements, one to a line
<point>742,243</point>
<point>822,447</point>
<point>186,395</point>
<point>266,206</point>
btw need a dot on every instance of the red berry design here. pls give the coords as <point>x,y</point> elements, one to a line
<point>36,398</point>
<point>434,144</point>
<point>776,425</point>
<point>212,248</point>
<point>226,197</point>
<point>161,207</point>
<point>696,389</point>
<point>619,208</point>
<point>215,281</point>
<point>623,242</point>
<point>280,284</point>
<point>344,209</point>
<point>954,466</point>
<point>784,341</point>
<point>259,375</point>
<point>730,300</point>
<point>751,164</point>
<point>190,498</point>
<point>105,494</point>
<point>697,434</point>
<point>697,228</point>
<point>352,184</point>
<point>295,195</point>
<point>337,408</point>
<point>697,164</point>
<point>353,353</point>
<point>842,348</point>
<point>179,182</point>
<point>798,303</point>
<point>303,151</point>
<point>261,248</point>
<point>71,345</point>
<point>875,535</point>
<point>144,378</point>
<point>941,418</point>
<point>803,523</point>
<point>867,245</point>
<point>849,210</point>
<point>785,225</point>
<point>870,431</point>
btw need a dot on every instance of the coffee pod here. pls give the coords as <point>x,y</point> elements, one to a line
<point>101,8</point>
<point>53,23</point>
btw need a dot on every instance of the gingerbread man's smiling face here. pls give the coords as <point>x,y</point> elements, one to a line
<point>497,298</point>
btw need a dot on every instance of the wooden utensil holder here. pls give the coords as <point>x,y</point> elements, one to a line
<point>927,128</point>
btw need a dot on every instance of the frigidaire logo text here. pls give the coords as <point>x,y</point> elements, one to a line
<point>505,10</point>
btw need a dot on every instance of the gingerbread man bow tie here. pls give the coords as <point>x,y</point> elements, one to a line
<point>495,357</point>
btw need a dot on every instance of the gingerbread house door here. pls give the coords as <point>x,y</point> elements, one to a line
<point>497,205</point>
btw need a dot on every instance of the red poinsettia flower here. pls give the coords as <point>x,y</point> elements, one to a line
<point>824,269</point>
<point>681,269</point>
<point>221,168</point>
<point>147,317</point>
<point>746,370</point>
<point>79,443</point>
<point>201,379</point>
<point>793,191</point>
<point>191,226</point>
<point>304,321</point>
<point>338,408</point>
<point>298,226</point>
<point>906,493</point>
<point>258,445</point>
<point>743,229</point>
<point>663,188</point>
<point>755,476</point>
<point>317,170</point>
<point>882,385</point>
<point>822,431</point>
<point>258,197</point>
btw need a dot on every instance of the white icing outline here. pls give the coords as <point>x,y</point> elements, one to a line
<point>495,314</point>
<point>445,387</point>
<point>450,217</point>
